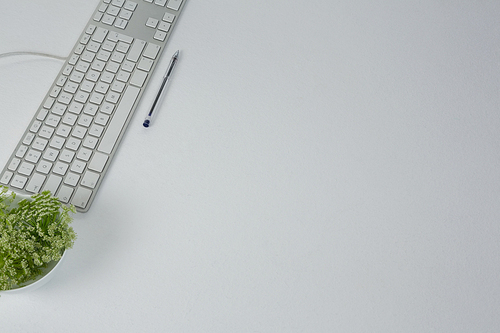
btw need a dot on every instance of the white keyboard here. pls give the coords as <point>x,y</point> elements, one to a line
<point>72,138</point>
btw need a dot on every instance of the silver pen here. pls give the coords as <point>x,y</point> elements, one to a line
<point>159,95</point>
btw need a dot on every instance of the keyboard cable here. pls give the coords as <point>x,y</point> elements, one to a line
<point>39,54</point>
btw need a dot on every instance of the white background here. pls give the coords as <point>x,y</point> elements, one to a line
<point>322,166</point>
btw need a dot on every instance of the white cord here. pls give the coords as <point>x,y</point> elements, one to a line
<point>8,54</point>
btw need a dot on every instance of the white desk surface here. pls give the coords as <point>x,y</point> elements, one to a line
<point>330,166</point>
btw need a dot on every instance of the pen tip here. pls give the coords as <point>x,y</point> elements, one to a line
<point>176,54</point>
<point>145,123</point>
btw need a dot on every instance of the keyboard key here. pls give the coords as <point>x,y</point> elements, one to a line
<point>35,126</point>
<point>90,29</point>
<point>118,121</point>
<point>136,50</point>
<point>35,184</point>
<point>108,19</point>
<point>98,162</point>
<point>78,166</point>
<point>174,4</point>
<point>51,154</point>
<point>40,144</point>
<point>101,119</point>
<point>118,3</point>
<point>122,47</point>
<point>97,98</point>
<point>168,17</point>
<point>138,78</point>
<point>130,5</point>
<point>82,66</point>
<point>61,80</point>
<point>152,51</point>
<point>59,109</point>
<point>42,114</point>
<point>88,56</point>
<point>28,139</point>
<point>73,143</point>
<point>33,156</point>
<point>100,34</point>
<point>79,49</point>
<point>121,23</point>
<point>82,97</point>
<point>93,75</point>
<point>152,22</point>
<point>123,76</point>
<point>79,132</point>
<point>77,77</point>
<point>84,154</point>
<point>53,120</point>
<point>98,65</point>
<point>65,193</point>
<point>85,39</point>
<point>21,151</point>
<point>107,107</point>
<point>118,57</point>
<point>57,142</point>
<point>90,179</point>
<point>94,47</point>
<point>164,26</point>
<point>7,175</point>
<point>46,132</point>
<point>113,97</point>
<point>44,167</point>
<point>71,179</point>
<point>61,168</point>
<point>14,164</point>
<point>87,86</point>
<point>48,103</point>
<point>19,181</point>
<point>96,130</point>
<point>67,70</point>
<point>63,130</point>
<point>116,37</point>
<point>85,120</point>
<point>102,9</point>
<point>26,168</point>
<point>98,16</point>
<point>55,92</point>
<point>108,46</point>
<point>81,197</point>
<point>66,156</point>
<point>160,35</point>
<point>145,64</point>
<point>111,69</point>
<point>90,109</point>
<point>125,14</point>
<point>103,55</point>
<point>128,66</point>
<point>52,184</point>
<point>75,108</point>
<point>90,142</point>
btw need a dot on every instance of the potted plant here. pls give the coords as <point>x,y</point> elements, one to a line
<point>34,235</point>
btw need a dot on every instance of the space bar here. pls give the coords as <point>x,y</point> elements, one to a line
<point>119,118</point>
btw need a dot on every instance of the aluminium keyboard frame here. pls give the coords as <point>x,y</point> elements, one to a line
<point>135,29</point>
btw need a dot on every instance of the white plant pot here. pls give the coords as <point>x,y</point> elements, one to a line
<point>47,272</point>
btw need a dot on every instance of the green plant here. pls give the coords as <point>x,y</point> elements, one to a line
<point>32,234</point>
